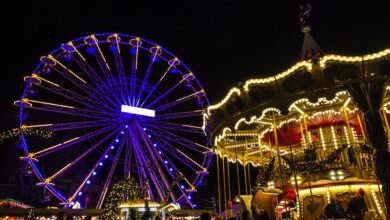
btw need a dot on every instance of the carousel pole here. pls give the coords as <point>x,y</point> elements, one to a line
<point>219,188</point>
<point>244,165</point>
<point>303,135</point>
<point>361,127</point>
<point>277,147</point>
<point>249,178</point>
<point>386,122</point>
<point>230,198</point>
<point>238,173</point>
<point>293,167</point>
<point>260,150</point>
<point>307,131</point>
<point>224,186</point>
<point>358,161</point>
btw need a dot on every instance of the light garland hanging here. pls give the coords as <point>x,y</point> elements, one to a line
<point>42,132</point>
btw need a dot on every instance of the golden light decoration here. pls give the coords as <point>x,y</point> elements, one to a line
<point>307,65</point>
<point>23,130</point>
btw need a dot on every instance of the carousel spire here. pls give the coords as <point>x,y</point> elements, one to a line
<point>310,49</point>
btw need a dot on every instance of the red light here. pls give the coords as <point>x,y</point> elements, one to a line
<point>318,53</point>
<point>309,55</point>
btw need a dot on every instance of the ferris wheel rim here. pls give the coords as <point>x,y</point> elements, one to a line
<point>206,160</point>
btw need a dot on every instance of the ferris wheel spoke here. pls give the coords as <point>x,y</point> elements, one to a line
<point>91,73</point>
<point>110,174</point>
<point>148,145</point>
<point>78,98</point>
<point>141,90</point>
<point>182,141</point>
<point>176,115</point>
<point>70,142</point>
<point>107,73</point>
<point>158,82</point>
<point>175,176</point>
<point>165,94</point>
<point>175,127</point>
<point>72,125</point>
<point>178,101</point>
<point>169,148</point>
<point>121,74</point>
<point>66,109</point>
<point>70,77</point>
<point>88,70</point>
<point>145,168</point>
<point>69,165</point>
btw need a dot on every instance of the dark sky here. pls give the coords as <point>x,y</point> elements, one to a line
<point>223,43</point>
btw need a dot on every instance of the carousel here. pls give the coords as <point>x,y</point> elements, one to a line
<point>311,134</point>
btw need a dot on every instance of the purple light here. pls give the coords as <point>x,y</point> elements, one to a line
<point>117,140</point>
<point>101,164</point>
<point>106,156</point>
<point>94,173</point>
<point>88,182</point>
<point>80,193</point>
<point>112,147</point>
<point>165,161</point>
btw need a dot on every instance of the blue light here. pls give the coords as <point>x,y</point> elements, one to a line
<point>159,151</point>
<point>165,161</point>
<point>117,140</point>
<point>106,156</point>
<point>171,169</point>
<point>88,182</point>
<point>94,173</point>
<point>133,50</point>
<point>189,197</point>
<point>80,193</point>
<point>112,147</point>
<point>91,50</point>
<point>173,70</point>
<point>155,58</point>
<point>122,132</point>
<point>113,48</point>
<point>149,135</point>
<point>101,164</point>
<point>182,186</point>
<point>194,205</point>
<point>126,126</point>
<point>155,145</point>
<point>144,129</point>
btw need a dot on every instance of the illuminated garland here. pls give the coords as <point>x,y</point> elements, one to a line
<point>42,132</point>
<point>262,178</point>
<point>311,166</point>
<point>128,187</point>
<point>172,186</point>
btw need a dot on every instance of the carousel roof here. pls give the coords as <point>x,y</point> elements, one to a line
<point>306,83</point>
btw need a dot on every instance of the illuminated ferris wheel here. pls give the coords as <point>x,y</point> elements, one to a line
<point>120,106</point>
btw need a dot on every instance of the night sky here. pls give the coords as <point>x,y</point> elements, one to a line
<point>222,43</point>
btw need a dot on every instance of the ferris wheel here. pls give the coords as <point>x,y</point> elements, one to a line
<point>120,106</point>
